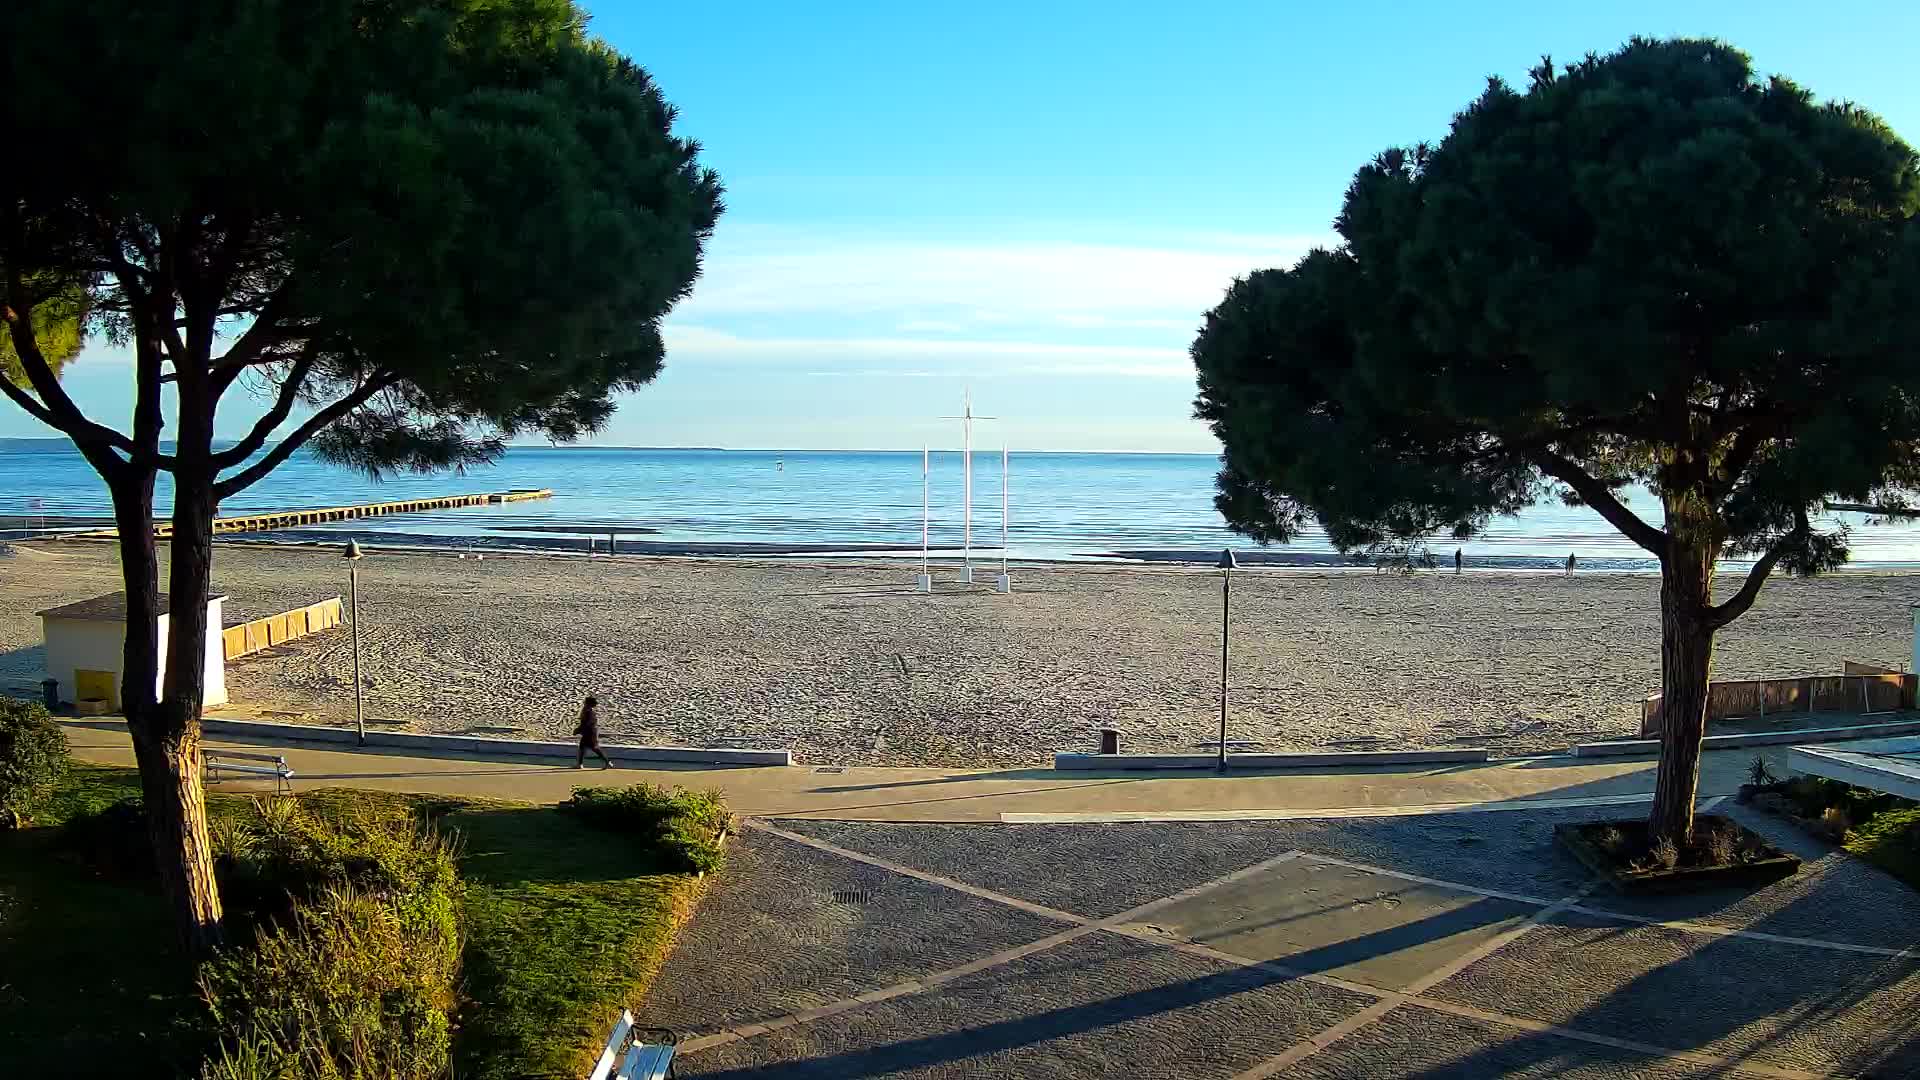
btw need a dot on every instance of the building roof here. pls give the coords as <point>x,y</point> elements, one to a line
<point>109,608</point>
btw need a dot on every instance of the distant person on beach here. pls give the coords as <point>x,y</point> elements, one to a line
<point>1458,562</point>
<point>1570,563</point>
<point>589,732</point>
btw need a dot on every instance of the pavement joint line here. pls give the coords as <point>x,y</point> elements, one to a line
<point>1398,997</point>
<point>1683,925</point>
<point>1690,927</point>
<point>907,871</point>
<point>1083,926</point>
<point>1297,814</point>
<point>1300,1051</point>
<point>1541,1027</point>
<point>1386,999</point>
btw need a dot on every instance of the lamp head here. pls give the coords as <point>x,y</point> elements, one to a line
<point>353,550</point>
<point>1227,561</point>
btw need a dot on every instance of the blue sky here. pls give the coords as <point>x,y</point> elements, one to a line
<point>1038,201</point>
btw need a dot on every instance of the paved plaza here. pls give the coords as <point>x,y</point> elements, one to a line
<point>1429,945</point>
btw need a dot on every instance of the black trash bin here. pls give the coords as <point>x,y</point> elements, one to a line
<point>50,693</point>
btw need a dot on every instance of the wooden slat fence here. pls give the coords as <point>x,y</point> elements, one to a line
<point>1866,688</point>
<point>251,637</point>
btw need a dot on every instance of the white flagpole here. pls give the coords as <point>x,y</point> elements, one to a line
<point>1003,510</point>
<point>926,459</point>
<point>966,425</point>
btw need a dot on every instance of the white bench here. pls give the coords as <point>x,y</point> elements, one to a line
<point>649,1053</point>
<point>232,761</point>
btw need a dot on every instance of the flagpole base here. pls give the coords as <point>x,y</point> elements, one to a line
<point>1003,583</point>
<point>923,583</point>
<point>966,575</point>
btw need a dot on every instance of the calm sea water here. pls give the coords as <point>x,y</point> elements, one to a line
<point>1061,506</point>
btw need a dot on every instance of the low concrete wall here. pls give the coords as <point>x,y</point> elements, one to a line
<point>478,745</point>
<point>1634,747</point>
<point>1129,762</point>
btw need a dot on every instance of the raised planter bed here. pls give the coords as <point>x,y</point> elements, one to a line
<point>1618,852</point>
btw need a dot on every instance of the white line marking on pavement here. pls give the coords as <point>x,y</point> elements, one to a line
<point>1302,1050</point>
<point>1709,929</point>
<point>1520,1023</point>
<point>1385,1000</point>
<point>1414,810</point>
<point>1602,913</point>
<point>1083,927</point>
<point>908,871</point>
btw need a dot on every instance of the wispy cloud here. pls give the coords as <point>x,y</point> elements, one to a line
<point>947,355</point>
<point>1004,278</point>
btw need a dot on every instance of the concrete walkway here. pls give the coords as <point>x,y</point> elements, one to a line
<point>1020,795</point>
<point>920,924</point>
<point>1456,946</point>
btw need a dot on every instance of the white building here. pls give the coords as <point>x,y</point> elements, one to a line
<point>86,641</point>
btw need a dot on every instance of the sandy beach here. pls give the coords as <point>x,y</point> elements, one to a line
<point>844,664</point>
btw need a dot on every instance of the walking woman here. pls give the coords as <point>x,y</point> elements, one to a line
<point>589,732</point>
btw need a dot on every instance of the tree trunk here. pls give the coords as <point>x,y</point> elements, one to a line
<point>165,745</point>
<point>1686,666</point>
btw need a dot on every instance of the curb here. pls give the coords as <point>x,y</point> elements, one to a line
<point>478,745</point>
<point>1649,747</point>
<point>1135,762</point>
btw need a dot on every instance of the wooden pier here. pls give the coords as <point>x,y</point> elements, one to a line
<point>293,519</point>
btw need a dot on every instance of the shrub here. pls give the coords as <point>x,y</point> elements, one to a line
<point>113,839</point>
<point>1835,821</point>
<point>1611,840</point>
<point>355,985</point>
<point>1760,774</point>
<point>685,827</point>
<point>1722,847</point>
<point>1664,853</point>
<point>276,854</point>
<point>356,961</point>
<point>33,758</point>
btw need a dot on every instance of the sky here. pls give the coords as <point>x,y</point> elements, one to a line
<point>1037,202</point>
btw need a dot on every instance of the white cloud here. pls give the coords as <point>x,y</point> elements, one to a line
<point>957,356</point>
<point>1006,278</point>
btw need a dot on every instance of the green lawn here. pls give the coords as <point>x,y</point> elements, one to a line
<point>1891,841</point>
<point>565,925</point>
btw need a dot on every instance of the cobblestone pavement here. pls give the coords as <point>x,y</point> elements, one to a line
<point>1444,945</point>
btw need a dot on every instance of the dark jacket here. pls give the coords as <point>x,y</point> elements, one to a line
<point>589,728</point>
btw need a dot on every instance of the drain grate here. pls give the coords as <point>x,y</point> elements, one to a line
<point>831,768</point>
<point>852,896</point>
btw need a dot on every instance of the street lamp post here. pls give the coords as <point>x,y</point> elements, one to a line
<point>352,555</point>
<point>1227,565</point>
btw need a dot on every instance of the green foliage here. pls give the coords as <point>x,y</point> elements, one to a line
<point>562,926</point>
<point>1759,773</point>
<point>33,759</point>
<point>278,852</point>
<point>1890,840</point>
<point>358,978</point>
<point>687,827</point>
<point>111,839</point>
<point>472,211</point>
<point>1649,268</point>
<point>355,986</point>
<point>57,322</point>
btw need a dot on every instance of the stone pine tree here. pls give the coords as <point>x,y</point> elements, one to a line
<point>394,232</point>
<point>1649,268</point>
